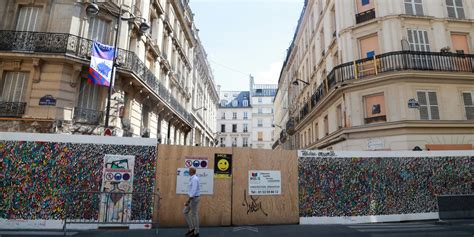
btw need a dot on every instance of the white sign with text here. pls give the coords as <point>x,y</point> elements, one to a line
<point>264,182</point>
<point>206,181</point>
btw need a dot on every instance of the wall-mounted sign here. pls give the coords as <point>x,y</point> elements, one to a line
<point>375,144</point>
<point>196,162</point>
<point>223,165</point>
<point>47,100</point>
<point>264,182</point>
<point>206,181</point>
<point>413,104</point>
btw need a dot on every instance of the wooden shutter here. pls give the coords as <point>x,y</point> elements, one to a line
<point>423,105</point>
<point>14,87</point>
<point>468,104</point>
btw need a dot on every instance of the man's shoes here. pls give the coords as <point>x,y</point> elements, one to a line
<point>190,233</point>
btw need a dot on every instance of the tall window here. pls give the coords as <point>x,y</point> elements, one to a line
<point>245,142</point>
<point>234,127</point>
<point>234,115</point>
<point>89,96</point>
<point>326,125</point>
<point>222,127</point>
<point>339,116</point>
<point>223,115</point>
<point>222,142</point>
<point>455,9</point>
<point>414,7</point>
<point>375,108</point>
<point>418,40</point>
<point>29,19</point>
<point>99,30</point>
<point>259,110</point>
<point>260,123</point>
<point>259,99</point>
<point>260,136</point>
<point>316,131</point>
<point>234,103</point>
<point>13,87</point>
<point>246,115</point>
<point>245,103</point>
<point>234,142</point>
<point>468,98</point>
<point>428,105</point>
<point>245,127</point>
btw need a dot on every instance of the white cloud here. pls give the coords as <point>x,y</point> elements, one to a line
<point>270,74</point>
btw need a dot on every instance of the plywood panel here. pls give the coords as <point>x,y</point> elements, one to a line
<point>213,210</point>
<point>281,209</point>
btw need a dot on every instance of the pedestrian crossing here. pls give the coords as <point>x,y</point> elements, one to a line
<point>396,227</point>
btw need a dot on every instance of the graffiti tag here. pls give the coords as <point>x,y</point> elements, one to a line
<point>254,205</point>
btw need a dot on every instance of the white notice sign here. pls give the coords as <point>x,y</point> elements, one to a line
<point>264,182</point>
<point>206,181</point>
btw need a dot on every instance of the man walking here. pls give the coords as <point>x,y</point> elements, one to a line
<point>191,206</point>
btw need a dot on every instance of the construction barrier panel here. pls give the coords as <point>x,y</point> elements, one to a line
<point>38,173</point>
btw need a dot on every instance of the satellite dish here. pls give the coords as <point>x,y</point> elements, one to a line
<point>405,45</point>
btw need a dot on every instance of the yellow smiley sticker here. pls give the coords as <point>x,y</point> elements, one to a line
<point>223,165</point>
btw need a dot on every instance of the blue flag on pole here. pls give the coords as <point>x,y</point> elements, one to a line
<point>100,70</point>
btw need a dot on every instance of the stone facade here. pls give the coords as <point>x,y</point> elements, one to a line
<point>45,50</point>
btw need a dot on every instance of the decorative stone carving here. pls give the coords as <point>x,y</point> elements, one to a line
<point>76,72</point>
<point>36,70</point>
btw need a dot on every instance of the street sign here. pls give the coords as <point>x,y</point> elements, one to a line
<point>47,100</point>
<point>413,104</point>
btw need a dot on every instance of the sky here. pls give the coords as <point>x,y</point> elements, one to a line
<point>243,37</point>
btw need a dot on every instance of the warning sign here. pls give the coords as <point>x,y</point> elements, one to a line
<point>196,162</point>
<point>223,166</point>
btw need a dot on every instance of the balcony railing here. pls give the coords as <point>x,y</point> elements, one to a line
<point>389,62</point>
<point>88,116</point>
<point>12,109</point>
<point>365,16</point>
<point>80,48</point>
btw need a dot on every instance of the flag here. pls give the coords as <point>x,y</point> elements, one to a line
<point>100,70</point>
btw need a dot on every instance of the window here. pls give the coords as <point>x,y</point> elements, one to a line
<point>369,46</point>
<point>222,142</point>
<point>259,110</point>
<point>260,123</point>
<point>223,115</point>
<point>418,40</point>
<point>365,2</point>
<point>428,105</point>
<point>339,116</point>
<point>13,87</point>
<point>245,127</point>
<point>245,142</point>
<point>234,127</point>
<point>260,136</point>
<point>234,103</point>
<point>375,108</point>
<point>234,115</point>
<point>89,96</point>
<point>234,142</point>
<point>455,9</point>
<point>259,99</point>
<point>246,115</point>
<point>222,127</point>
<point>316,131</point>
<point>326,125</point>
<point>414,7</point>
<point>223,103</point>
<point>245,103</point>
<point>468,98</point>
<point>460,43</point>
<point>29,19</point>
<point>99,30</point>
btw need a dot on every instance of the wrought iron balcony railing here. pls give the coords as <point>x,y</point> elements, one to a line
<point>390,62</point>
<point>365,16</point>
<point>88,116</point>
<point>12,109</point>
<point>80,48</point>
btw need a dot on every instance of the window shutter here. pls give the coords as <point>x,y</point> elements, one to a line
<point>469,105</point>
<point>29,19</point>
<point>423,108</point>
<point>467,98</point>
<point>14,86</point>
<point>433,100</point>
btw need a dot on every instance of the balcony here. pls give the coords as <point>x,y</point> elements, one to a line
<point>88,116</point>
<point>388,62</point>
<point>78,48</point>
<point>12,109</point>
<point>365,16</point>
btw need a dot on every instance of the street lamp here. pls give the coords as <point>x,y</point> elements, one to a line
<point>276,125</point>
<point>203,108</point>
<point>295,82</point>
<point>92,10</point>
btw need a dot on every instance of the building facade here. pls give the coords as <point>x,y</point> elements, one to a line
<point>45,53</point>
<point>262,98</point>
<point>381,75</point>
<point>234,119</point>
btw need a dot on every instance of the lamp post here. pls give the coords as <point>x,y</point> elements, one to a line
<point>295,82</point>
<point>93,9</point>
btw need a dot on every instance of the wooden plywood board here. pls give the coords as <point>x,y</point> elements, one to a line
<point>277,209</point>
<point>214,210</point>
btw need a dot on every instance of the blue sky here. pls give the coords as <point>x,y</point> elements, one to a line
<point>243,37</point>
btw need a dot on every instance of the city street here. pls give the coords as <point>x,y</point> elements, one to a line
<point>408,229</point>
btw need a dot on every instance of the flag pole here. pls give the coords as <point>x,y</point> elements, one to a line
<point>114,68</point>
